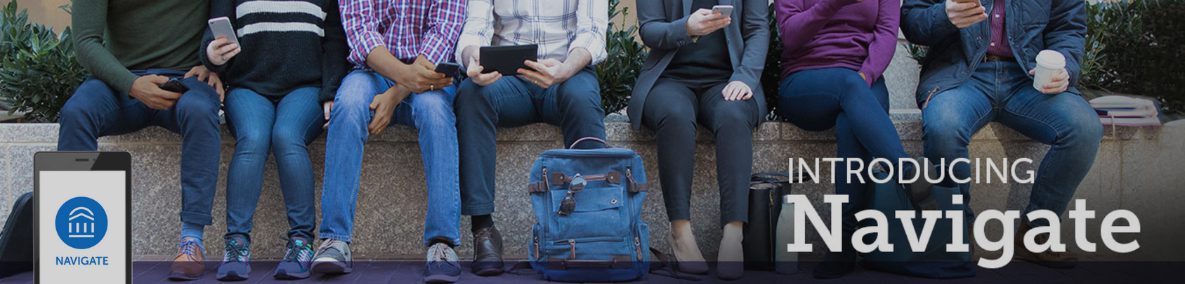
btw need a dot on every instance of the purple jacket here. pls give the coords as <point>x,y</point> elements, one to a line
<point>857,34</point>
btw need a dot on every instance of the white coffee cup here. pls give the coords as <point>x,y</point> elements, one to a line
<point>1049,62</point>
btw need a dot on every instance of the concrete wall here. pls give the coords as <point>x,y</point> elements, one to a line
<point>1137,169</point>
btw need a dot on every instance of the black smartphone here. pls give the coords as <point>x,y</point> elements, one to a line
<point>83,211</point>
<point>449,69</point>
<point>507,59</point>
<point>174,85</point>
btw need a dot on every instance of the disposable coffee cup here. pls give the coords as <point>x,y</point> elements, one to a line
<point>1049,62</point>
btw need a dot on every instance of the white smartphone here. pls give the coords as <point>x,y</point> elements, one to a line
<point>725,10</point>
<point>220,26</point>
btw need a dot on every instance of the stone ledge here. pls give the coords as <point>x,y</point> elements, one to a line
<point>1136,169</point>
<point>617,128</point>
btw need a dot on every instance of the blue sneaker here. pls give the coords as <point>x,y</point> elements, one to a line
<point>236,261</point>
<point>297,259</point>
<point>443,265</point>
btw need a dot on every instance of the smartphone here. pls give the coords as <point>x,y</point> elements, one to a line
<point>221,26</point>
<point>448,69</point>
<point>174,85</point>
<point>82,207</point>
<point>725,10</point>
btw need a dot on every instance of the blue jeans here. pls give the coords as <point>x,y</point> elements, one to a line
<point>574,105</point>
<point>96,110</point>
<point>432,114</point>
<point>819,99</point>
<point>1003,92</point>
<point>284,127</point>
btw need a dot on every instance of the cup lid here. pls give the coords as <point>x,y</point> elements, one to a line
<point>1051,59</point>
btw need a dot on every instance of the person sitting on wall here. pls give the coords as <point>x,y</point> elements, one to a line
<point>833,60</point>
<point>395,46</point>
<point>131,49</point>
<point>978,70</point>
<point>705,68</point>
<point>560,88</point>
<point>277,86</point>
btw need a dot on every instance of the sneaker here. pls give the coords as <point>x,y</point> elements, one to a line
<point>333,257</point>
<point>236,261</point>
<point>188,265</point>
<point>443,265</point>
<point>297,259</point>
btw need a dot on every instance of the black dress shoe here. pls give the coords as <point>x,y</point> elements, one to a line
<point>487,252</point>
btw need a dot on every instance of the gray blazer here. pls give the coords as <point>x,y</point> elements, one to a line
<point>664,30</point>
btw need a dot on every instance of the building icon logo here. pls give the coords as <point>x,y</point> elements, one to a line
<point>81,222</point>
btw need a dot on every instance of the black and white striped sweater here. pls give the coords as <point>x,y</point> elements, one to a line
<point>286,44</point>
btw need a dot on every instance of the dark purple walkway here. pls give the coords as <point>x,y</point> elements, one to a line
<point>409,272</point>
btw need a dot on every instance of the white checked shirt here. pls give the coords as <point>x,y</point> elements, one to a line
<point>557,26</point>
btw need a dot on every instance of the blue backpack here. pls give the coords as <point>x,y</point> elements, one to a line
<point>588,225</point>
<point>935,262</point>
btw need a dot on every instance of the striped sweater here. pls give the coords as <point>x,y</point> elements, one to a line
<point>286,44</point>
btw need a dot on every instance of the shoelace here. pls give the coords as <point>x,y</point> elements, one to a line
<point>235,252</point>
<point>297,253</point>
<point>187,248</point>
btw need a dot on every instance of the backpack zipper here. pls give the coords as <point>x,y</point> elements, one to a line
<point>572,249</point>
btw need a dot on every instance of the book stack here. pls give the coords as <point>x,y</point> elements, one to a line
<point>1126,111</point>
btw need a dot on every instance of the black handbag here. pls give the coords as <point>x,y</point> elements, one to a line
<point>766,194</point>
<point>16,239</point>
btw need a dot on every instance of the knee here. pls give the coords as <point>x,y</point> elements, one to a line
<point>732,115</point>
<point>944,133</point>
<point>578,92</point>
<point>253,141</point>
<point>1084,130</point>
<point>285,140</point>
<point>199,104</point>
<point>469,96</point>
<point>350,105</point>
<point>433,110</point>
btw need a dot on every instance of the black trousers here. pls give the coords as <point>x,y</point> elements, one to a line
<point>673,109</point>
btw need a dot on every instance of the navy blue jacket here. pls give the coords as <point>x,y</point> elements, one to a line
<point>1032,26</point>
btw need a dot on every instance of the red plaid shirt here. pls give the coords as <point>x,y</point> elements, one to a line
<point>408,28</point>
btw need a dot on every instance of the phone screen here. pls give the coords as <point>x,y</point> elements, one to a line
<point>82,220</point>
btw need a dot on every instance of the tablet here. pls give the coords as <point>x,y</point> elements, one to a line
<point>82,209</point>
<point>507,59</point>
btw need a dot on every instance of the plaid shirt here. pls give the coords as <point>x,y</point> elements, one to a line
<point>408,28</point>
<point>557,26</point>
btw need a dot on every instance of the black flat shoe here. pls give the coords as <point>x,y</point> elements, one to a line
<point>487,252</point>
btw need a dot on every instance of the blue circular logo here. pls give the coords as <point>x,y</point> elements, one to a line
<point>81,222</point>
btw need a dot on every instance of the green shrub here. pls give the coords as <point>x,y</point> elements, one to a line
<point>1135,47</point>
<point>38,71</point>
<point>618,73</point>
<point>772,74</point>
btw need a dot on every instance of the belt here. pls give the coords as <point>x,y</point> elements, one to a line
<point>991,58</point>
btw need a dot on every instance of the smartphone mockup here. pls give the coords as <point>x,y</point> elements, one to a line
<point>507,59</point>
<point>221,26</point>
<point>82,209</point>
<point>725,10</point>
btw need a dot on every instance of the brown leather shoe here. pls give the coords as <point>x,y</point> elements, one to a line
<point>189,263</point>
<point>487,252</point>
<point>1048,258</point>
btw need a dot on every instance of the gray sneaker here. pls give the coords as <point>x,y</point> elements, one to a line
<point>333,257</point>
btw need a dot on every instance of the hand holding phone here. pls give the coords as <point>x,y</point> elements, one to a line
<point>174,85</point>
<point>704,21</point>
<point>964,13</point>
<point>225,44</point>
<point>448,69</point>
